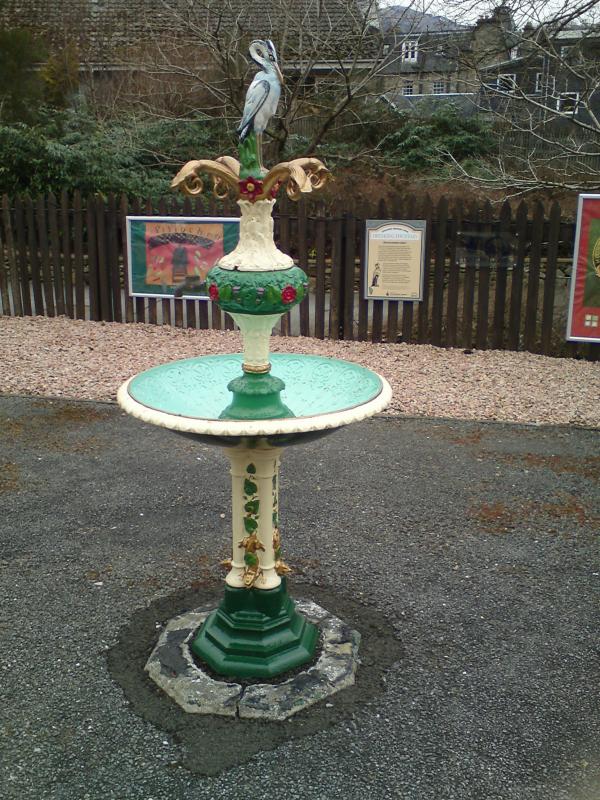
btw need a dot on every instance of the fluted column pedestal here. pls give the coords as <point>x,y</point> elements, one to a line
<point>256,631</point>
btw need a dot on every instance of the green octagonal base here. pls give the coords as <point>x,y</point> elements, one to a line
<point>255,633</point>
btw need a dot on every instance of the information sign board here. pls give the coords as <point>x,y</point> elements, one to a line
<point>584,304</point>
<point>394,259</point>
<point>167,252</point>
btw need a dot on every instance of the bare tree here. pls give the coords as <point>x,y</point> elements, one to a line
<point>544,97</point>
<point>333,53</point>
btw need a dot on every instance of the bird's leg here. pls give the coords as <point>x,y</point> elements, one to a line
<point>259,150</point>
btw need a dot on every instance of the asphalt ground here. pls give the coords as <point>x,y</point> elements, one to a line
<point>466,553</point>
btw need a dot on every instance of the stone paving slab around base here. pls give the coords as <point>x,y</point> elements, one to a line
<point>172,667</point>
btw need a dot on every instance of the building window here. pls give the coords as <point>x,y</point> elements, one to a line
<point>564,50</point>
<point>439,87</point>
<point>544,83</point>
<point>507,82</point>
<point>513,53</point>
<point>410,50</point>
<point>386,49</point>
<point>567,102</point>
<point>408,88</point>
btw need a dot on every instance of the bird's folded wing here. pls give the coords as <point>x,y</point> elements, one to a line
<point>255,99</point>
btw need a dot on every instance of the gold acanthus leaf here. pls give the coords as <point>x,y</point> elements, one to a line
<point>300,176</point>
<point>281,568</point>
<point>224,171</point>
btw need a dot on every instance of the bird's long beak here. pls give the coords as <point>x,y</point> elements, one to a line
<point>280,74</point>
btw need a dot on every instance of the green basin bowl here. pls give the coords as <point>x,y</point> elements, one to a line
<point>197,387</point>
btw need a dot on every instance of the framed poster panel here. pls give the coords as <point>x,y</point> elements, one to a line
<point>165,252</point>
<point>584,303</point>
<point>394,259</point>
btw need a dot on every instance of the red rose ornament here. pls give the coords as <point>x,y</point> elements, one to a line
<point>251,188</point>
<point>288,294</point>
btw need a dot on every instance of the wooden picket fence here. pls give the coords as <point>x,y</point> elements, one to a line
<point>494,278</point>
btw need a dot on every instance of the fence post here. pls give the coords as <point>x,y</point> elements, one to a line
<point>92,250</point>
<point>535,259</point>
<point>102,265</point>
<point>503,251</point>
<point>348,275</point>
<point>40,208</point>
<point>423,314</point>
<point>12,260</point>
<point>550,279</point>
<point>437,306</point>
<point>336,320</point>
<point>320,266</point>
<point>78,255</point>
<point>483,288</point>
<point>152,316</point>
<point>453,276</point>
<point>21,249</point>
<point>65,238</point>
<point>34,263</point>
<point>304,307</point>
<point>3,283</point>
<point>363,304</point>
<point>469,284</point>
<point>59,291</point>
<point>112,256</point>
<point>516,284</point>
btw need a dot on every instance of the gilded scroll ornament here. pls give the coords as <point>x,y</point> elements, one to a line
<point>299,176</point>
<point>281,568</point>
<point>252,571</point>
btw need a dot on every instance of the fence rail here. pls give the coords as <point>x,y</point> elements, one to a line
<point>494,278</point>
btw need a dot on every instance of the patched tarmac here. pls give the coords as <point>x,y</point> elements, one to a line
<point>465,553</point>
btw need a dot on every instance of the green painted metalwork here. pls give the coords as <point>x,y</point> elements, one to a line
<point>266,292</point>
<point>197,387</point>
<point>256,397</point>
<point>249,158</point>
<point>255,633</point>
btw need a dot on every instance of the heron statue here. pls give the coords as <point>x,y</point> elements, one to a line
<point>262,96</point>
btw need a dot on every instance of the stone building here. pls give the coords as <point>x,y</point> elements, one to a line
<point>411,57</point>
<point>441,63</point>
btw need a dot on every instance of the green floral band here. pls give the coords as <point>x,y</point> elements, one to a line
<point>257,292</point>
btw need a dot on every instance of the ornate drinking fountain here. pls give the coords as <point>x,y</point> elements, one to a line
<point>253,405</point>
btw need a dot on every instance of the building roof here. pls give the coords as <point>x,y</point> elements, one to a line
<point>105,27</point>
<point>404,19</point>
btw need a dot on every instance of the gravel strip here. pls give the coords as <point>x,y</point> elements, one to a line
<point>62,357</point>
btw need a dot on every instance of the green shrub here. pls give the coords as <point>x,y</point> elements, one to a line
<point>422,143</point>
<point>71,150</point>
<point>417,140</point>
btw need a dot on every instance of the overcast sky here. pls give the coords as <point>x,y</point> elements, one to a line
<point>471,10</point>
